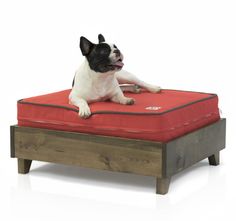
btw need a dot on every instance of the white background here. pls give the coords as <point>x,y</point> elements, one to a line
<point>188,45</point>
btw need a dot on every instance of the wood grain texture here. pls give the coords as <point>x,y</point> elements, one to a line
<point>161,160</point>
<point>193,147</point>
<point>99,152</point>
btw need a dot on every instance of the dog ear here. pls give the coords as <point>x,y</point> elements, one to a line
<point>85,45</point>
<point>101,38</point>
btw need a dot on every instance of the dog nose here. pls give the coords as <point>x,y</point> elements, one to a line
<point>117,52</point>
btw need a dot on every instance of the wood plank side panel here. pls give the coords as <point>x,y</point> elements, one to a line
<point>99,152</point>
<point>193,147</point>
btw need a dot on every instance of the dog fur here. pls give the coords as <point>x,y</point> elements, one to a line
<point>100,77</point>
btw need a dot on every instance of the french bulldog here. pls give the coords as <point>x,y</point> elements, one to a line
<point>100,77</point>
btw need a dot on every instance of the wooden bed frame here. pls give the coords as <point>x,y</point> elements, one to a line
<point>161,160</point>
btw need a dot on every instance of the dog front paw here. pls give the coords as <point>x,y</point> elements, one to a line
<point>129,101</point>
<point>84,111</point>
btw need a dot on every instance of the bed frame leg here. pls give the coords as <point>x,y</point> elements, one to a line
<point>24,166</point>
<point>214,159</point>
<point>162,185</point>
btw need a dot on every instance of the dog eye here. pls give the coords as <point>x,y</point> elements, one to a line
<point>114,46</point>
<point>104,51</point>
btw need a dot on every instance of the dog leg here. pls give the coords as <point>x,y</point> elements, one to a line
<point>84,110</point>
<point>125,77</point>
<point>131,88</point>
<point>121,99</point>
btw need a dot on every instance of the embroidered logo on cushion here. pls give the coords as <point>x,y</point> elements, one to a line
<point>153,108</point>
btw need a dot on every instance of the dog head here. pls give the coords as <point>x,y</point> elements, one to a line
<point>102,57</point>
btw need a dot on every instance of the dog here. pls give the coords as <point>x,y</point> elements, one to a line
<point>100,77</point>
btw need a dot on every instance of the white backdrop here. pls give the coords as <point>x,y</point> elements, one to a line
<point>185,44</point>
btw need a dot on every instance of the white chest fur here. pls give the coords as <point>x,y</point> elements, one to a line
<point>103,87</point>
<point>93,86</point>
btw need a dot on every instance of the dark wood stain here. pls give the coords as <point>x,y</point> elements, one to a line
<point>194,147</point>
<point>161,160</point>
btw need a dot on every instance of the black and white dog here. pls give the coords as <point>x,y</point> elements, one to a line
<point>100,75</point>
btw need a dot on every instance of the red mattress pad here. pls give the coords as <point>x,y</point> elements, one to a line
<point>158,117</point>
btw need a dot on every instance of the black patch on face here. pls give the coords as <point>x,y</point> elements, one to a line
<point>98,58</point>
<point>97,55</point>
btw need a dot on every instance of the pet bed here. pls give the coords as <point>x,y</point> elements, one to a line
<point>160,135</point>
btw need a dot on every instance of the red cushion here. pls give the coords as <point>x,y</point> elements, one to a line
<point>159,117</point>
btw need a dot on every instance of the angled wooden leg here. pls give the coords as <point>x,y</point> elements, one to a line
<point>24,165</point>
<point>162,185</point>
<point>214,159</point>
